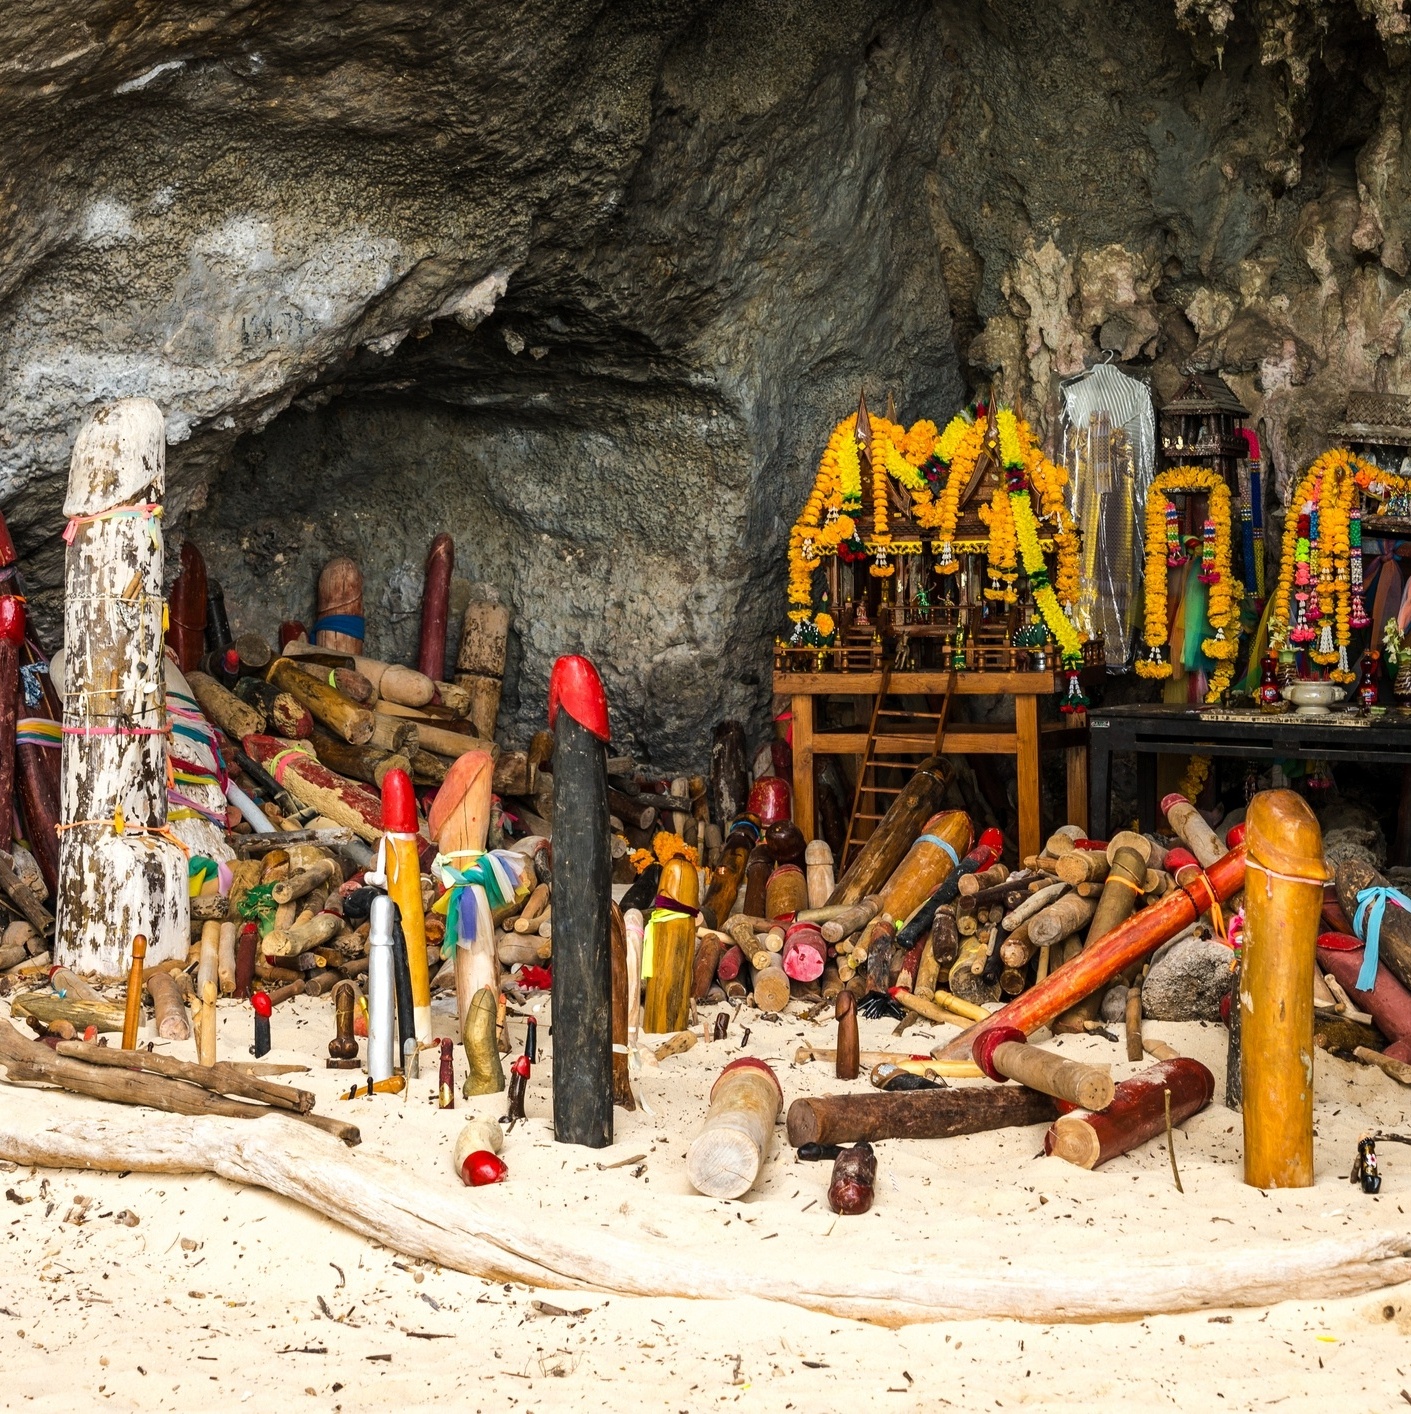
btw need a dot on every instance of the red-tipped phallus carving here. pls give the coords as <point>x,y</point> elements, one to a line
<point>398,803</point>
<point>262,1004</point>
<point>575,686</point>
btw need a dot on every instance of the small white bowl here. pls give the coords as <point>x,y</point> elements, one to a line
<point>1312,699</point>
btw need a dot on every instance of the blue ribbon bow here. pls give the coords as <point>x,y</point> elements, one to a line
<point>1367,924</point>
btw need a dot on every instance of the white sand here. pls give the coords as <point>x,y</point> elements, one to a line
<point>226,1296</point>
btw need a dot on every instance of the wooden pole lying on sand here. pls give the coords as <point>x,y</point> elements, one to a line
<point>1283,903</point>
<point>1136,1113</point>
<point>725,1158</point>
<point>1128,943</point>
<point>915,1114</point>
<point>119,873</point>
<point>582,985</point>
<point>1003,1054</point>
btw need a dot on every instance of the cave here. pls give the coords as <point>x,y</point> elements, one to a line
<point>586,287</point>
<point>597,288</point>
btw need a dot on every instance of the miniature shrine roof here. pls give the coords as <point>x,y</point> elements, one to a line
<point>1376,417</point>
<point>1205,393</point>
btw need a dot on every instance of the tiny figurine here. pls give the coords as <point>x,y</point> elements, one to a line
<point>1364,1168</point>
<point>343,1048</point>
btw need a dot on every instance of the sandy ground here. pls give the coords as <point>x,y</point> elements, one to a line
<point>224,1296</point>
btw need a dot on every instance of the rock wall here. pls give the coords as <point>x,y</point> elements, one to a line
<point>587,286</point>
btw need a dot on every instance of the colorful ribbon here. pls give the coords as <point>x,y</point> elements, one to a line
<point>146,510</point>
<point>1367,924</point>
<point>659,916</point>
<point>941,844</point>
<point>490,879</point>
<point>353,625</point>
<point>38,731</point>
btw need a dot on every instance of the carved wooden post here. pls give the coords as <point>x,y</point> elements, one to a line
<point>114,885</point>
<point>480,665</point>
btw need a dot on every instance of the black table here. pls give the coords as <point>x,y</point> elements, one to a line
<point>1150,729</point>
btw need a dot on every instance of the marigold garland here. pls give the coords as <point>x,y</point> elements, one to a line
<point>1193,782</point>
<point>1318,598</point>
<point>1225,591</point>
<point>665,847</point>
<point>934,469</point>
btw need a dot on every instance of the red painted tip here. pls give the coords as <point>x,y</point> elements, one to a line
<point>262,1004</point>
<point>483,1167</point>
<point>1175,798</point>
<point>1234,837</point>
<point>575,685</point>
<point>1339,942</point>
<point>521,1066</point>
<point>12,619</point>
<point>985,1044</point>
<point>231,659</point>
<point>746,1063</point>
<point>991,839</point>
<point>398,803</point>
<point>1180,859</point>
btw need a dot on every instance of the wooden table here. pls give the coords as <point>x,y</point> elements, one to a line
<point>1150,730</point>
<point>1026,740</point>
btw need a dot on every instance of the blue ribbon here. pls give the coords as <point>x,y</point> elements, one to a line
<point>351,624</point>
<point>1371,905</point>
<point>933,839</point>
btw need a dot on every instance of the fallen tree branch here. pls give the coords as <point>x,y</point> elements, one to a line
<point>483,1233</point>
<point>31,1062</point>
<point>219,1079</point>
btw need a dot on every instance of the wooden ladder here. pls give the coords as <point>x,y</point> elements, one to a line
<point>883,753</point>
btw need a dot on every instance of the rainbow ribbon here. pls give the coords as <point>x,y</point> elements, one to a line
<point>491,879</point>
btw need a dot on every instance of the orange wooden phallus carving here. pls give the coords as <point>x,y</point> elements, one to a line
<point>1283,905</point>
<point>1101,961</point>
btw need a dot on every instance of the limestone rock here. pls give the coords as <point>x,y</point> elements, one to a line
<point>1188,982</point>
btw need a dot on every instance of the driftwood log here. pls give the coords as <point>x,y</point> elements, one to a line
<point>1353,877</point>
<point>114,886</point>
<point>885,846</point>
<point>481,1232</point>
